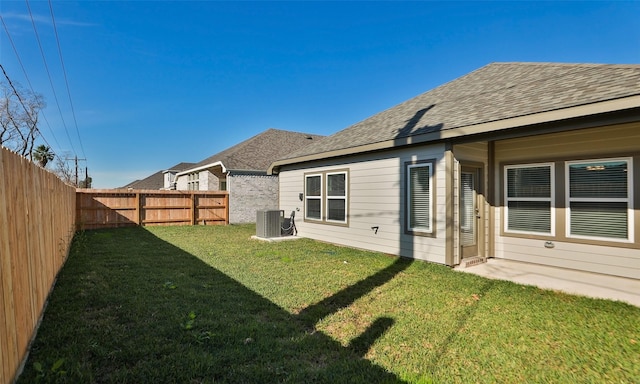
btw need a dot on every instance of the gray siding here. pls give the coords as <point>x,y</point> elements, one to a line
<point>376,199</point>
<point>599,257</point>
<point>249,194</point>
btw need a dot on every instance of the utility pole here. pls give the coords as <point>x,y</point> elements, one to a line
<point>75,159</point>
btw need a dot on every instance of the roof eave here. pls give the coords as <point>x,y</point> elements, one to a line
<point>482,128</point>
<point>202,168</point>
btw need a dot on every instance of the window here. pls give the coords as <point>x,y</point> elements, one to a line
<point>193,182</point>
<point>313,197</point>
<point>326,197</point>
<point>529,199</point>
<point>419,198</point>
<point>222,184</point>
<point>467,206</point>
<point>337,197</point>
<point>599,199</point>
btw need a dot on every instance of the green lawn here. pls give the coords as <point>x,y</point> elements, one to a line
<point>209,305</point>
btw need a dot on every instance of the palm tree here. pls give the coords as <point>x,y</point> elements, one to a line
<point>43,154</point>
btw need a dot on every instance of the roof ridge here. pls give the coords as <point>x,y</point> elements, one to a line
<point>496,91</point>
<point>584,68</point>
<point>234,155</point>
<point>566,64</point>
<point>514,85</point>
<point>288,131</point>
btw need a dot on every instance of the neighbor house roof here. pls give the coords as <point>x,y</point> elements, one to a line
<point>258,152</point>
<point>156,181</point>
<point>494,97</point>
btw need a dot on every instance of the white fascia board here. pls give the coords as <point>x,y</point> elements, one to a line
<point>202,168</point>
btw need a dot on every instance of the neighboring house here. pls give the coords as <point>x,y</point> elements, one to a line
<point>159,180</point>
<point>532,162</point>
<point>242,171</point>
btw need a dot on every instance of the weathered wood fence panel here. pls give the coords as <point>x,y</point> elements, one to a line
<point>111,208</point>
<point>37,222</point>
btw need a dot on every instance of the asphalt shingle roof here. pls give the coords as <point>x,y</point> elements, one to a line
<point>156,181</point>
<point>258,152</point>
<point>494,92</point>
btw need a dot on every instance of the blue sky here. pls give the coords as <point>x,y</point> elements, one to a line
<point>153,83</point>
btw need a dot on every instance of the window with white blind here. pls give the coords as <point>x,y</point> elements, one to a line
<point>313,197</point>
<point>419,198</point>
<point>529,195</point>
<point>599,199</point>
<point>337,197</point>
<point>326,197</point>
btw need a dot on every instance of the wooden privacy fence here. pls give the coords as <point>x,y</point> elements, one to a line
<point>109,208</point>
<point>38,217</point>
<point>37,222</point>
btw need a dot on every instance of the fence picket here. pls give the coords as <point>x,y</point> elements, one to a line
<point>111,208</point>
<point>37,223</point>
<point>39,215</point>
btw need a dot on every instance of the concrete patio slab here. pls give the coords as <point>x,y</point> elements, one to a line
<point>560,279</point>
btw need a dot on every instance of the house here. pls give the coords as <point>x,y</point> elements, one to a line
<point>242,171</point>
<point>159,180</point>
<point>535,162</point>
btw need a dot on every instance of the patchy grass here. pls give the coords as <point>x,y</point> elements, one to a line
<point>207,304</point>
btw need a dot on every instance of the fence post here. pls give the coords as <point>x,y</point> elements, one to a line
<point>138,209</point>
<point>78,210</point>
<point>193,209</point>
<point>226,203</point>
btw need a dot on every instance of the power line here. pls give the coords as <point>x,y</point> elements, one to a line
<point>15,91</point>
<point>55,96</point>
<point>21,101</point>
<point>64,71</point>
<point>86,170</point>
<point>24,71</point>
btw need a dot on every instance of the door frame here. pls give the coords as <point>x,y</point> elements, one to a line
<point>477,169</point>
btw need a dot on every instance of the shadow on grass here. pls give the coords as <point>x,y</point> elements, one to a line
<point>130,307</point>
<point>316,312</point>
<point>463,321</point>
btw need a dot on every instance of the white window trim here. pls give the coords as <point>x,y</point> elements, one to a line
<point>550,199</point>
<point>431,196</point>
<point>628,200</point>
<point>307,197</point>
<point>327,197</point>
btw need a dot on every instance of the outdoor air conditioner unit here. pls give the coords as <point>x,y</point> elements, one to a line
<point>268,224</point>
